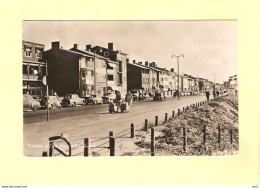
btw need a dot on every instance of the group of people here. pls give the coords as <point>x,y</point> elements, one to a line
<point>215,94</point>
<point>119,100</point>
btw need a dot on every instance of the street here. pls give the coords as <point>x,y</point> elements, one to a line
<point>93,121</point>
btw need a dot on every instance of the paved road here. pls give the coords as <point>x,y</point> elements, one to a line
<point>92,121</point>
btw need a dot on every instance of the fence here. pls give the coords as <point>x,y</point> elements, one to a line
<point>95,145</point>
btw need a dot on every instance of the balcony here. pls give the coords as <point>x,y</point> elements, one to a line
<point>30,77</point>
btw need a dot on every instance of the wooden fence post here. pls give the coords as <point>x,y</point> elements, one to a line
<point>219,134</point>
<point>146,125</point>
<point>204,134</point>
<point>231,136</point>
<point>166,116</point>
<point>179,112</point>
<point>86,147</point>
<point>51,148</point>
<point>152,142</point>
<point>132,130</point>
<point>112,143</point>
<point>184,139</point>
<point>173,114</point>
<point>111,133</point>
<point>156,120</point>
<point>45,154</point>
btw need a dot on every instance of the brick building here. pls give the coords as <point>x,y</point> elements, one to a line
<point>34,68</point>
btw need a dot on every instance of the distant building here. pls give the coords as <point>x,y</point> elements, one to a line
<point>138,76</point>
<point>34,68</point>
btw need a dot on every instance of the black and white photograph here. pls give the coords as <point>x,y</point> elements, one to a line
<point>130,88</point>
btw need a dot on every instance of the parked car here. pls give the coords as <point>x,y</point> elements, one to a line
<point>29,103</point>
<point>95,99</point>
<point>137,94</point>
<point>72,100</point>
<point>53,102</point>
<point>108,97</point>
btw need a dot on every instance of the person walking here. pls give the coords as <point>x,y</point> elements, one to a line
<point>207,95</point>
<point>118,100</point>
<point>214,93</point>
<point>217,94</point>
<point>129,98</point>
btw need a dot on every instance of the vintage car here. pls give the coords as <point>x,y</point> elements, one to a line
<point>29,103</point>
<point>95,99</point>
<point>53,102</point>
<point>72,100</point>
<point>108,97</point>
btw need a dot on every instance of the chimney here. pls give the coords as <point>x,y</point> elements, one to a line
<point>88,47</point>
<point>172,69</point>
<point>76,46</point>
<point>140,62</point>
<point>150,64</point>
<point>133,61</point>
<point>55,45</point>
<point>153,64</point>
<point>110,46</point>
<point>146,63</point>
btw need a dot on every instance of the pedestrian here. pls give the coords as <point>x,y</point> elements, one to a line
<point>207,95</point>
<point>129,98</point>
<point>214,94</point>
<point>217,94</point>
<point>118,100</point>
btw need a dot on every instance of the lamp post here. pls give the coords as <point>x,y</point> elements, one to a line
<point>182,55</point>
<point>95,87</point>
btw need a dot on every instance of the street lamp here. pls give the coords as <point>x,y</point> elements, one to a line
<point>182,55</point>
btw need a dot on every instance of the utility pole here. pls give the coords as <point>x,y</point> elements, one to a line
<point>95,84</point>
<point>47,92</point>
<point>182,55</point>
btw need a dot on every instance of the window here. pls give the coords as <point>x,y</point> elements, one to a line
<point>83,74</point>
<point>84,88</point>
<point>92,73</point>
<point>92,87</point>
<point>28,50</point>
<point>38,52</point>
<point>110,77</point>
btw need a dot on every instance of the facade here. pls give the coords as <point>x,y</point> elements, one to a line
<point>173,81</point>
<point>94,73</point>
<point>138,76</point>
<point>120,58</point>
<point>184,83</point>
<point>68,71</point>
<point>233,82</point>
<point>34,69</point>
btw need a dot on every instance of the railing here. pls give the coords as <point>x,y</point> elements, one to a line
<point>31,77</point>
<point>93,146</point>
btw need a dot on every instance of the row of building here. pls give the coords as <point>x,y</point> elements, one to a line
<point>98,70</point>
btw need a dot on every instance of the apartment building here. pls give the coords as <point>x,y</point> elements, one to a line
<point>138,76</point>
<point>120,58</point>
<point>34,68</point>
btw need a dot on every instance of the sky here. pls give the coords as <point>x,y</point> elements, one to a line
<point>209,47</point>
